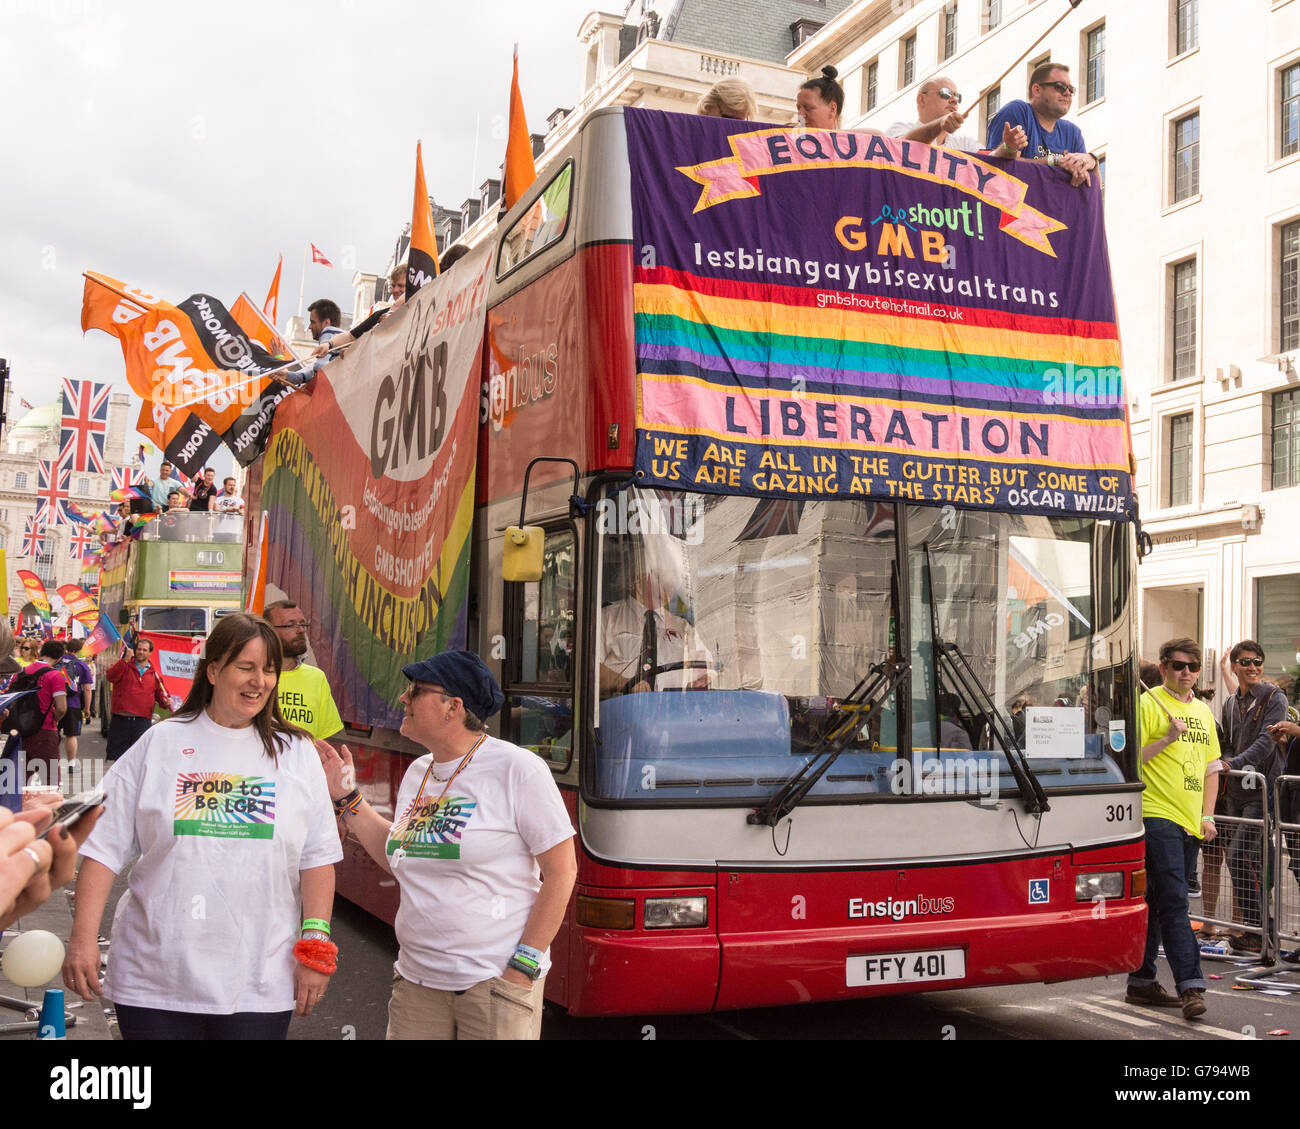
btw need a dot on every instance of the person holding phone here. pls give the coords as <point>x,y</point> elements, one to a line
<point>225,813</point>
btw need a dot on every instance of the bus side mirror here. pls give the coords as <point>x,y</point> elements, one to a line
<point>521,558</point>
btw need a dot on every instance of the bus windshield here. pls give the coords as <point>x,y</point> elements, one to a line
<point>728,628</point>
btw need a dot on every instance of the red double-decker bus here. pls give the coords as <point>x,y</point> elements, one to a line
<point>894,748</point>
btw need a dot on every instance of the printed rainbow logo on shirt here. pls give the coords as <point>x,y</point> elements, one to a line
<point>433,830</point>
<point>224,805</point>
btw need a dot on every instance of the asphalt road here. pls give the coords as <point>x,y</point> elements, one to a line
<point>355,1007</point>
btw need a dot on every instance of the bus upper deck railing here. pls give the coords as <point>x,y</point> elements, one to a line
<point>194,526</point>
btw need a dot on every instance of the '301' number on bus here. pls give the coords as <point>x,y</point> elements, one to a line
<point>1118,813</point>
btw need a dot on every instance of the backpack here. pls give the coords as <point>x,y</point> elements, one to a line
<point>26,715</point>
<point>70,667</point>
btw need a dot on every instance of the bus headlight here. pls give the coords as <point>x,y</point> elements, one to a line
<point>1090,887</point>
<point>606,913</point>
<point>676,913</point>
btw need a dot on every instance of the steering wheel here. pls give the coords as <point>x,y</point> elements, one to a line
<point>650,675</point>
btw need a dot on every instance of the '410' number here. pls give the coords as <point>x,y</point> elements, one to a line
<point>1118,813</point>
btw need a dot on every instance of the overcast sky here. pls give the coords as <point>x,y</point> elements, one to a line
<point>182,148</point>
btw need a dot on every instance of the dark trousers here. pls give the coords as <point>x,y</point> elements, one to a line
<point>1171,856</point>
<point>1243,859</point>
<point>42,752</point>
<point>123,732</point>
<point>154,1023</point>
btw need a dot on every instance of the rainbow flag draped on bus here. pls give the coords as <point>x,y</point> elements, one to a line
<point>368,488</point>
<point>836,314</point>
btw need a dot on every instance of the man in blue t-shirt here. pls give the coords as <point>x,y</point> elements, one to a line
<point>1052,139</point>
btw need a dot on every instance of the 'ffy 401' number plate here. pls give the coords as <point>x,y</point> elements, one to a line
<point>905,968</point>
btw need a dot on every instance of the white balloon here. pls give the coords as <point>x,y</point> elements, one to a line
<point>32,959</point>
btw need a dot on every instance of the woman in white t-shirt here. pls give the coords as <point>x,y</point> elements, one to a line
<point>225,812</point>
<point>483,856</point>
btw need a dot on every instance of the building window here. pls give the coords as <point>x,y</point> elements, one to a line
<point>83,485</point>
<point>1277,621</point>
<point>1179,462</point>
<point>45,568</point>
<point>909,60</point>
<point>992,14</point>
<point>870,86</point>
<point>1289,111</point>
<point>1186,25</point>
<point>1289,288</point>
<point>949,31</point>
<point>1286,439</point>
<point>1187,157</point>
<point>1101,170</point>
<point>20,480</point>
<point>1184,319</point>
<point>992,104</point>
<point>1096,79</point>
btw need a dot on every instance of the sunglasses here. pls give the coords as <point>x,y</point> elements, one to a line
<point>1250,662</point>
<point>1062,87</point>
<point>948,95</point>
<point>1180,666</point>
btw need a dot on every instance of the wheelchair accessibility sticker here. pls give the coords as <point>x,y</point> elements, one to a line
<point>1038,891</point>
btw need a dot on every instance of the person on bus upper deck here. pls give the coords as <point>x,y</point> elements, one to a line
<point>939,117</point>
<point>205,490</point>
<point>820,102</point>
<point>324,321</point>
<point>638,634</point>
<point>161,490</point>
<point>482,850</point>
<point>304,692</point>
<point>228,501</point>
<point>1051,139</point>
<point>136,687</point>
<point>1179,747</point>
<point>397,281</point>
<point>729,98</point>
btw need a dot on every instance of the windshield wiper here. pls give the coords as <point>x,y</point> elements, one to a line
<point>868,695</point>
<point>963,676</point>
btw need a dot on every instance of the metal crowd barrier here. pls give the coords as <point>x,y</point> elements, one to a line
<point>1237,881</point>
<point>1284,862</point>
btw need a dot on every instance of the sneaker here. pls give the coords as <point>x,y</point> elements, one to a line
<point>1291,956</point>
<point>1193,887</point>
<point>1151,995</point>
<point>1193,1001</point>
<point>1244,944</point>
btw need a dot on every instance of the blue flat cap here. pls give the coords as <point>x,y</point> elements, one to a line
<point>463,674</point>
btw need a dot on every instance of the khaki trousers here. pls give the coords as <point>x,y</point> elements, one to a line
<point>491,1009</point>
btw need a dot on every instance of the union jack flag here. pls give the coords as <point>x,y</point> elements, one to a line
<point>772,517</point>
<point>122,477</point>
<point>81,541</point>
<point>51,493</point>
<point>84,425</point>
<point>33,537</point>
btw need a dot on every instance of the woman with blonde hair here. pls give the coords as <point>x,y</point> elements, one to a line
<point>729,98</point>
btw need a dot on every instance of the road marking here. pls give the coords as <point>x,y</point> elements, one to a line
<point>1108,1014</point>
<point>727,1027</point>
<point>1184,1024</point>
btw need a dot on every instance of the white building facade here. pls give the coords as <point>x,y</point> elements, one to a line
<point>1194,109</point>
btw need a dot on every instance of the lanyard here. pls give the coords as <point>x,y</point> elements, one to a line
<point>406,831</point>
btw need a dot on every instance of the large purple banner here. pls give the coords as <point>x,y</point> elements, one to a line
<point>835,314</point>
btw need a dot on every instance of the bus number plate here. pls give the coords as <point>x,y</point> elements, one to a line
<point>905,968</point>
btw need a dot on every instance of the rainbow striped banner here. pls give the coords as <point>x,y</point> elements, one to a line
<point>833,314</point>
<point>368,488</point>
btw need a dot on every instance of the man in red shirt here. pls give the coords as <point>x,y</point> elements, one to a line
<point>136,687</point>
<point>42,749</point>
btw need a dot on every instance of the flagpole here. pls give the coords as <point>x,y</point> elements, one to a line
<point>114,290</point>
<point>302,284</point>
<point>473,169</point>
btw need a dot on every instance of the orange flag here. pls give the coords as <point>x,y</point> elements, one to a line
<point>520,170</point>
<point>422,257</point>
<point>271,307</point>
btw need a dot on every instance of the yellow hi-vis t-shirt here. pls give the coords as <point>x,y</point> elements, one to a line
<point>305,700</point>
<point>1175,778</point>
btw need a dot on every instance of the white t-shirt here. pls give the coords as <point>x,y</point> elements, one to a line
<point>622,633</point>
<point>468,873</point>
<point>228,503</point>
<point>219,834</point>
<point>963,141</point>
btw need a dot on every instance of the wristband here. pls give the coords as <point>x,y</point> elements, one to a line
<point>522,964</point>
<point>1207,819</point>
<point>319,956</point>
<point>535,955</point>
<point>316,923</point>
<point>350,803</point>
